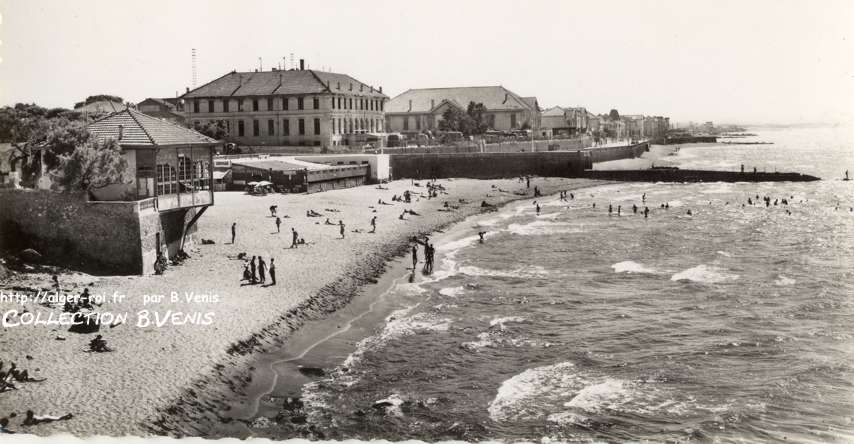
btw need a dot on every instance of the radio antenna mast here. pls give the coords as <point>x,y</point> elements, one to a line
<point>195,77</point>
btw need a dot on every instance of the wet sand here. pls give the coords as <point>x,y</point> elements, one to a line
<point>174,378</point>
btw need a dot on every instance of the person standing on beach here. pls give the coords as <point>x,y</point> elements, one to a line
<point>273,210</point>
<point>374,224</point>
<point>428,258</point>
<point>278,225</point>
<point>262,269</point>
<point>272,271</point>
<point>645,212</point>
<point>252,270</point>
<point>619,210</point>
<point>341,228</point>
<point>538,209</point>
<point>414,256</point>
<point>610,209</point>
<point>233,231</point>
<point>295,236</point>
<point>634,209</point>
<point>528,181</point>
<point>643,198</point>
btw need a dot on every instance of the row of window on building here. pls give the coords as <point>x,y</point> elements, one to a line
<point>339,126</point>
<point>357,103</point>
<point>189,176</point>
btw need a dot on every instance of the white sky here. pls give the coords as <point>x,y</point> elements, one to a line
<point>731,61</point>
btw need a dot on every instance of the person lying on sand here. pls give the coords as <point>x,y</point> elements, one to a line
<point>33,419</point>
<point>332,210</point>
<point>328,222</point>
<point>381,202</point>
<point>412,212</point>
<point>380,187</point>
<point>312,213</point>
<point>4,423</point>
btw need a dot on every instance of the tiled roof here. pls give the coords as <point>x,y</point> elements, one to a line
<point>143,130</point>
<point>554,112</point>
<point>532,103</point>
<point>494,98</point>
<point>265,83</point>
<point>161,102</point>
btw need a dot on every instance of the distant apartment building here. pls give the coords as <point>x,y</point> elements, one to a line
<point>567,121</point>
<point>307,108</point>
<point>646,127</point>
<point>169,109</point>
<point>419,110</point>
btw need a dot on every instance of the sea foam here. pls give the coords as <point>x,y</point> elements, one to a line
<point>543,227</point>
<point>704,274</point>
<point>631,267</point>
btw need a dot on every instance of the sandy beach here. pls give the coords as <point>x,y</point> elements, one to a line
<point>157,378</point>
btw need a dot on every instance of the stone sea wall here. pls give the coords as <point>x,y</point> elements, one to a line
<point>66,229</point>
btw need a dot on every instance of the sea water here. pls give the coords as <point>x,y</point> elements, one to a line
<point>734,323</point>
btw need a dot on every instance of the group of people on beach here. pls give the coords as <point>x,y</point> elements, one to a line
<point>257,274</point>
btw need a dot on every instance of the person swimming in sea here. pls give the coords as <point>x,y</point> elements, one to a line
<point>480,234</point>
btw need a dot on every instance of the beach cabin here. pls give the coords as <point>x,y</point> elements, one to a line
<point>170,179</point>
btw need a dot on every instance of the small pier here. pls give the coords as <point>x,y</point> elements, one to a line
<point>677,175</point>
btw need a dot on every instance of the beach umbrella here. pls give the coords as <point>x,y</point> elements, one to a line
<point>252,184</point>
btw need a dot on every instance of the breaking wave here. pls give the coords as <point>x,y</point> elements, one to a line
<point>631,267</point>
<point>704,274</point>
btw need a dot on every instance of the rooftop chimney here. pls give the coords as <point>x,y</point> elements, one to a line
<point>188,89</point>
<point>301,64</point>
<point>381,89</point>
<point>410,106</point>
<point>121,131</point>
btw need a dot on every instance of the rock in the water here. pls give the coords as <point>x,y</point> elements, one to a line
<point>30,255</point>
<point>312,371</point>
<point>292,404</point>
